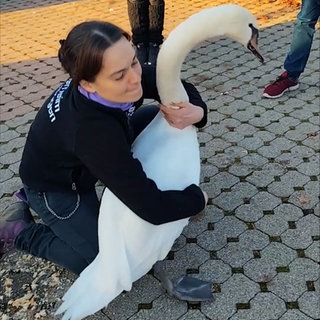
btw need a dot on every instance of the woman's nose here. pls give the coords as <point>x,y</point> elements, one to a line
<point>135,75</point>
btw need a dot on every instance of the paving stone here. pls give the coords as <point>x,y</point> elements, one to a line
<point>215,271</point>
<point>265,200</point>
<point>194,228</point>
<point>254,160</point>
<point>260,178</point>
<point>294,315</point>
<point>264,135</point>
<point>193,315</point>
<point>11,157</point>
<point>251,143</point>
<point>288,160</point>
<point>163,307</point>
<point>288,183</point>
<point>308,198</point>
<point>283,125</point>
<point>241,249</point>
<point>301,131</point>
<point>263,269</point>
<point>207,172</point>
<point>264,306</point>
<point>309,304</point>
<point>289,211</point>
<point>230,200</point>
<point>13,144</point>
<point>8,135</point>
<point>248,213</point>
<point>223,307</point>
<point>144,291</point>
<point>5,174</point>
<point>302,235</point>
<point>312,251</point>
<point>191,255</point>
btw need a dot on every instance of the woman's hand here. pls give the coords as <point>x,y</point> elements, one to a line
<point>201,214</point>
<point>181,115</point>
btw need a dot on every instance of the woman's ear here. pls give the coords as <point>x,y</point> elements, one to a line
<point>88,86</point>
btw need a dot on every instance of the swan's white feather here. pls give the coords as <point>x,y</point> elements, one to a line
<point>226,20</point>
<point>128,245</point>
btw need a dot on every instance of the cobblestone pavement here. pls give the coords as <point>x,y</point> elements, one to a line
<point>259,240</point>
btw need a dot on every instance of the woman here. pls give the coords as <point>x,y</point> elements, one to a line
<point>83,133</point>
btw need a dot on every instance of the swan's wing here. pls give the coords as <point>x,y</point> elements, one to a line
<point>171,158</point>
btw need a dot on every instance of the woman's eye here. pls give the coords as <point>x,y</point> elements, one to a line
<point>120,77</point>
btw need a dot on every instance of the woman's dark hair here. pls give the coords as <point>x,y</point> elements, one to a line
<point>81,53</point>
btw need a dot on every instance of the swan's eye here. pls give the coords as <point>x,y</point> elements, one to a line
<point>255,31</point>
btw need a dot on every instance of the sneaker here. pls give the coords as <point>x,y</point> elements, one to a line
<point>15,219</point>
<point>277,88</point>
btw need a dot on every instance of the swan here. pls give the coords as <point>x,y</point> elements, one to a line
<point>134,250</point>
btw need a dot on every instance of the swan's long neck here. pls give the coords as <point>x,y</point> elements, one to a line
<point>206,24</point>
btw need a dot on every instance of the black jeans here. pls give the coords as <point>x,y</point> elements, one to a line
<point>69,235</point>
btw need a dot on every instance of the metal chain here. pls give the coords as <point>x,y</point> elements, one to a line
<point>56,215</point>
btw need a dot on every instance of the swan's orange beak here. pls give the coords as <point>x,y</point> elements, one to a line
<point>253,44</point>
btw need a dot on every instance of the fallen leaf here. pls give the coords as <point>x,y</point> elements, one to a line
<point>24,302</point>
<point>8,287</point>
<point>303,199</point>
<point>312,135</point>
<point>230,128</point>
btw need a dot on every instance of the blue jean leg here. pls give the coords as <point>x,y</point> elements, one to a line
<point>302,38</point>
<point>69,235</point>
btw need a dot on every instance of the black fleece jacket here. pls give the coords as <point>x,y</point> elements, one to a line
<point>74,142</point>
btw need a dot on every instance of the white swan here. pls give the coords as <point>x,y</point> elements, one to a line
<point>128,245</point>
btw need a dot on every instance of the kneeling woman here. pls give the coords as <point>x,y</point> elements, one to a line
<point>83,133</point>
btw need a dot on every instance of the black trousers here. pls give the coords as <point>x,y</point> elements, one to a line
<point>146,19</point>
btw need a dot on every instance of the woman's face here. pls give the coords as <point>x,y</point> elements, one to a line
<point>119,79</point>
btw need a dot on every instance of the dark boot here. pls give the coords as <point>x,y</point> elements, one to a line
<point>142,53</point>
<point>138,13</point>
<point>153,53</point>
<point>14,219</point>
<point>156,21</point>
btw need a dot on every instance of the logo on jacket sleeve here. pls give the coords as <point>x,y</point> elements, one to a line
<point>53,105</point>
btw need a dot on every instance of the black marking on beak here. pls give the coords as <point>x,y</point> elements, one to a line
<point>253,43</point>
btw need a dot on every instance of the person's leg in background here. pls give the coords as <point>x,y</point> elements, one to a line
<point>138,13</point>
<point>302,38</point>
<point>299,52</point>
<point>156,22</point>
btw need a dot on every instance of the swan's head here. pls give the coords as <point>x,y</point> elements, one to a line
<point>243,28</point>
<point>252,44</point>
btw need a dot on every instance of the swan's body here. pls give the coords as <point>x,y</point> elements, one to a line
<point>128,245</point>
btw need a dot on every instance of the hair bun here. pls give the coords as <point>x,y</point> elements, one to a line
<point>61,50</point>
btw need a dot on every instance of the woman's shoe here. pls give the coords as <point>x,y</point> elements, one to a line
<point>14,219</point>
<point>153,53</point>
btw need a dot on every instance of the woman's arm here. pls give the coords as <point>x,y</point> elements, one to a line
<point>111,161</point>
<point>178,115</point>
